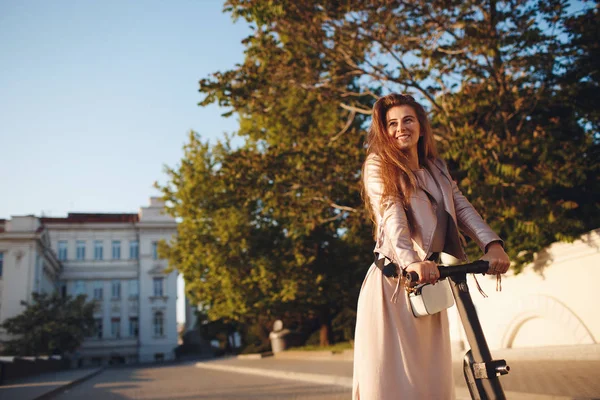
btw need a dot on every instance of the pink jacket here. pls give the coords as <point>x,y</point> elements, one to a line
<point>404,236</point>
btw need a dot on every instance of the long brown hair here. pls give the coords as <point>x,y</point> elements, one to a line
<point>398,179</point>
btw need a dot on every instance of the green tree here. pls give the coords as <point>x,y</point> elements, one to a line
<point>50,324</point>
<point>492,74</point>
<point>276,227</point>
<point>582,65</point>
<point>581,94</point>
<point>249,244</point>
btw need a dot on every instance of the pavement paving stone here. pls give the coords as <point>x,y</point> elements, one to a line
<point>528,380</point>
<point>570,379</point>
<point>186,382</point>
<point>341,368</point>
<point>577,379</point>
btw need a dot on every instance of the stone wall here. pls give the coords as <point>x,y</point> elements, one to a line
<point>553,302</point>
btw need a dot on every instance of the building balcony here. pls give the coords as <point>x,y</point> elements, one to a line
<point>100,269</point>
<point>159,299</point>
<point>91,263</point>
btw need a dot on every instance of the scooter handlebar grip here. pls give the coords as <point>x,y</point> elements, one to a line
<point>412,277</point>
<point>477,267</point>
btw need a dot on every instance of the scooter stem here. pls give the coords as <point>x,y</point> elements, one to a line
<point>482,376</point>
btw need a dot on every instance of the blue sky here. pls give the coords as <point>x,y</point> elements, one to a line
<point>96,96</point>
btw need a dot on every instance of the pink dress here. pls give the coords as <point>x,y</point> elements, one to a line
<point>398,356</point>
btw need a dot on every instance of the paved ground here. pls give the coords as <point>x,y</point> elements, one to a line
<point>576,379</point>
<point>277,378</point>
<point>35,387</point>
<point>570,379</point>
<point>186,382</point>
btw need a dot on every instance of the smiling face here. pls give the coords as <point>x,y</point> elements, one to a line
<point>403,125</point>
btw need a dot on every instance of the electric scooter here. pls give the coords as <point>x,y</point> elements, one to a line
<point>480,370</point>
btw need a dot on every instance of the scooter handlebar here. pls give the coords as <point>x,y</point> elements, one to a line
<point>477,267</point>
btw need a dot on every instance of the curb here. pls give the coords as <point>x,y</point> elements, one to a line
<point>324,355</point>
<point>582,352</point>
<point>294,376</point>
<point>254,356</point>
<point>462,392</point>
<point>50,394</point>
<point>585,352</point>
<point>303,354</point>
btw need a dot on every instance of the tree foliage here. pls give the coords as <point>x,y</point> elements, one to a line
<point>498,78</point>
<point>276,226</point>
<point>50,324</point>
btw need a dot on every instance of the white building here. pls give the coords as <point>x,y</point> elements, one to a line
<point>27,264</point>
<point>112,258</point>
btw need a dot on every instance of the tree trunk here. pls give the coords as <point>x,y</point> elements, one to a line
<point>228,346</point>
<point>231,338</point>
<point>324,335</point>
<point>325,331</point>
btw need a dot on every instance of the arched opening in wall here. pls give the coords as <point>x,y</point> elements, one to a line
<point>530,334</point>
<point>544,321</point>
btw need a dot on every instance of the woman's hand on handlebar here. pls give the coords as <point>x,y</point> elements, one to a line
<point>427,270</point>
<point>497,258</point>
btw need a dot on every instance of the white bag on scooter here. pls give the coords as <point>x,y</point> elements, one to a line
<point>428,299</point>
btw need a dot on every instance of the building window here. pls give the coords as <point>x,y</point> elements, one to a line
<point>116,289</point>
<point>134,250</point>
<point>134,288</point>
<point>62,250</point>
<point>159,323</point>
<point>98,250</point>
<point>116,250</point>
<point>81,250</point>
<point>155,250</point>
<point>133,327</point>
<point>115,327</point>
<point>1,263</point>
<point>98,290</point>
<point>98,322</point>
<point>158,287</point>
<point>79,288</point>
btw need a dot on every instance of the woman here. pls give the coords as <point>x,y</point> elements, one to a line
<point>418,211</point>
